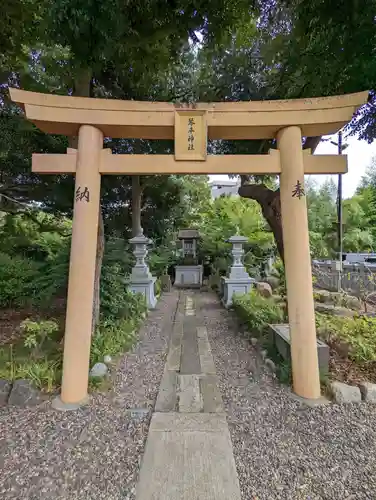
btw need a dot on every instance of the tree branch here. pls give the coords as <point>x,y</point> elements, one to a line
<point>312,143</point>
<point>43,228</point>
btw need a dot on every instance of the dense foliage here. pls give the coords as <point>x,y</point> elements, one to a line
<point>257,312</point>
<point>358,233</point>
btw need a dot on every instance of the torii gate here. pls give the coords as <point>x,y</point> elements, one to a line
<point>93,119</point>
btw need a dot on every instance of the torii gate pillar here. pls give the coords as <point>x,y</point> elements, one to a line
<point>82,267</point>
<point>298,265</point>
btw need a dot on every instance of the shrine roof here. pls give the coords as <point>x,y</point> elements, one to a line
<point>185,234</point>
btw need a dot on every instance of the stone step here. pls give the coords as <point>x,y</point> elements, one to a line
<point>188,457</point>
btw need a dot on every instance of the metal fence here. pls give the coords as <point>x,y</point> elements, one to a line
<point>357,279</point>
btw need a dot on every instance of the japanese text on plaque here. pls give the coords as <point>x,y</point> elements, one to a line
<point>191,137</point>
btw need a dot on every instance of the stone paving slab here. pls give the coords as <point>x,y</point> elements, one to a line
<point>182,462</point>
<point>190,399</point>
<point>190,359</point>
<point>167,396</point>
<point>212,399</point>
<point>200,422</point>
<point>206,358</point>
<point>174,353</point>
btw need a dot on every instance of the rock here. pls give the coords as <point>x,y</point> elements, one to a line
<point>24,394</point>
<point>107,359</point>
<point>343,312</point>
<point>264,289</point>
<point>98,370</point>
<point>166,283</point>
<point>352,302</point>
<point>139,413</point>
<point>270,364</point>
<point>333,310</point>
<point>344,393</point>
<point>264,354</point>
<point>5,387</point>
<point>254,341</point>
<point>343,348</point>
<point>273,281</point>
<point>368,391</point>
<point>323,296</point>
<point>338,299</point>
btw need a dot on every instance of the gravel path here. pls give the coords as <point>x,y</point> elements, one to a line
<point>93,453</point>
<point>284,450</point>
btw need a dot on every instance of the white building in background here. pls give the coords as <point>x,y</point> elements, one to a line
<point>225,187</point>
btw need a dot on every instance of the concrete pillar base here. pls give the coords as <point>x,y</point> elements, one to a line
<point>311,403</point>
<point>146,287</point>
<point>232,286</point>
<point>58,404</point>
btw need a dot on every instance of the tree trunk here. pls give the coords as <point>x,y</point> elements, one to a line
<point>269,200</point>
<point>83,88</point>
<point>98,270</point>
<point>270,203</point>
<point>136,205</point>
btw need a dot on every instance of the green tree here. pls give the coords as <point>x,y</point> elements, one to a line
<point>321,48</point>
<point>225,217</point>
<point>322,221</point>
<point>113,50</point>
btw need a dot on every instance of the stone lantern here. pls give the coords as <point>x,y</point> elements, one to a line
<point>189,273</point>
<point>238,280</point>
<point>141,279</point>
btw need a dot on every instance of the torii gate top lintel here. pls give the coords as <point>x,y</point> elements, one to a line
<point>155,120</point>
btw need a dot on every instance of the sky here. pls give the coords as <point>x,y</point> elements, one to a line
<point>359,155</point>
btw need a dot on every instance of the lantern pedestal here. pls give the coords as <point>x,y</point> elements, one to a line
<point>141,279</point>
<point>238,281</point>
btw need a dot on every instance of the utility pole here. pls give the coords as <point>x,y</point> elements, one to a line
<point>339,216</point>
<point>341,148</point>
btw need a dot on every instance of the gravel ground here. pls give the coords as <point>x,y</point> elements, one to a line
<point>93,453</point>
<point>284,450</point>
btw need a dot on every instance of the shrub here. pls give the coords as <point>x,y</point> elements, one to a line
<point>256,311</point>
<point>160,259</point>
<point>117,302</point>
<point>111,338</point>
<point>279,272</point>
<point>36,333</point>
<point>17,280</point>
<point>358,334</point>
<point>157,287</point>
<point>52,280</point>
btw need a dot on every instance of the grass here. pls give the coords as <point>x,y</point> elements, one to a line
<point>16,362</point>
<point>113,338</point>
<point>38,355</point>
